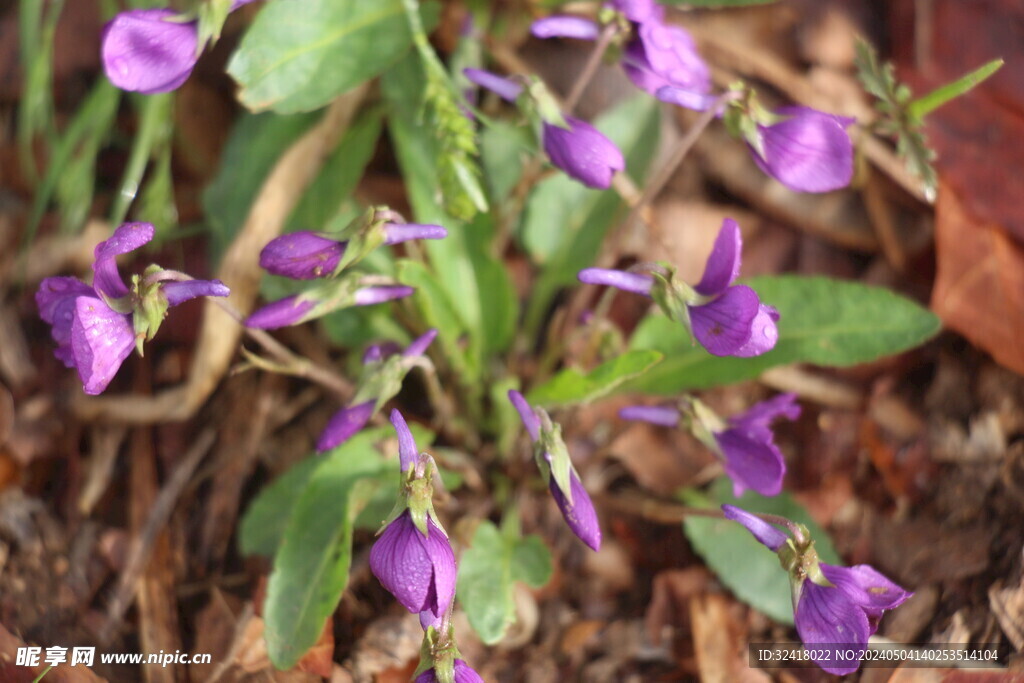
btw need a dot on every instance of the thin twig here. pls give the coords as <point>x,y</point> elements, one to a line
<point>142,544</point>
<point>590,68</point>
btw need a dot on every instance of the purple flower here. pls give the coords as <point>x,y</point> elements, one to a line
<point>96,327</point>
<point>306,255</point>
<point>808,151</point>
<point>151,50</point>
<point>751,458</point>
<point>345,423</point>
<point>727,319</point>
<point>659,58</point>
<point>418,570</point>
<point>583,152</point>
<point>298,308</point>
<point>147,51</point>
<point>463,674</point>
<point>833,617</point>
<point>744,442</point>
<point>578,512</point>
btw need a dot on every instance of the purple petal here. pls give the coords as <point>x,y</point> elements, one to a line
<point>751,463</point>
<point>827,621</point>
<point>406,444</point>
<point>344,424</point>
<point>368,296</point>
<point>56,301</point>
<point>428,619</point>
<point>419,571</point>
<point>181,291</point>
<point>566,27</point>
<point>128,237</point>
<point>723,326</point>
<point>808,152</point>
<point>867,588</point>
<point>144,51</point>
<point>100,339</point>
<point>282,313</point>
<point>664,416</point>
<point>402,232</point>
<point>378,352</point>
<point>526,414</point>
<point>663,56</point>
<point>637,283</point>
<point>723,265</point>
<point>420,344</point>
<point>760,415</point>
<point>238,3</point>
<point>579,514</point>
<point>637,10</point>
<point>765,533</point>
<point>764,333</point>
<point>463,673</point>
<point>681,97</point>
<point>302,255</point>
<point>506,88</point>
<point>583,152</point>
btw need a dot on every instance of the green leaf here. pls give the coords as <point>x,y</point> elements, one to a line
<point>503,146</point>
<point>266,518</point>
<point>487,571</point>
<point>943,94</point>
<point>311,566</point>
<point>291,61</point>
<point>823,321</point>
<point>565,222</point>
<point>749,569</point>
<point>570,386</point>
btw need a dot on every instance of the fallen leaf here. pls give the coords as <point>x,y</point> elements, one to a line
<point>979,286</point>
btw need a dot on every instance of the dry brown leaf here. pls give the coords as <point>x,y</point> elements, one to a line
<point>10,672</point>
<point>719,643</point>
<point>979,286</point>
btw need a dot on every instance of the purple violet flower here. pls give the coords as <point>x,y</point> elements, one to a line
<point>808,151</point>
<point>747,445</point>
<point>834,607</point>
<point>463,674</point>
<point>419,571</point>
<point>744,442</point>
<point>298,308</point>
<point>659,58</point>
<point>348,421</point>
<point>581,150</point>
<point>151,50</point>
<point>577,508</point>
<point>727,319</point>
<point>96,327</point>
<point>307,255</point>
<point>413,559</point>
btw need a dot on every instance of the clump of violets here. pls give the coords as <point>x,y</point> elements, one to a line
<point>835,608</point>
<point>384,369</point>
<point>659,58</point>
<point>744,443</point>
<point>553,460</point>
<point>154,50</point>
<point>725,318</point>
<point>308,255</point>
<point>96,327</point>
<point>412,557</point>
<point>573,145</point>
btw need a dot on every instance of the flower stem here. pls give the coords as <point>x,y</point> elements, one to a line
<point>590,68</point>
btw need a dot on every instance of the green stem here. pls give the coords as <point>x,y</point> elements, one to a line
<point>154,130</point>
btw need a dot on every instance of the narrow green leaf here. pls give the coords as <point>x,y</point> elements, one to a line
<point>311,566</point>
<point>291,61</point>
<point>156,121</point>
<point>936,98</point>
<point>570,386</point>
<point>823,321</point>
<point>750,570</point>
<point>265,520</point>
<point>487,571</point>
